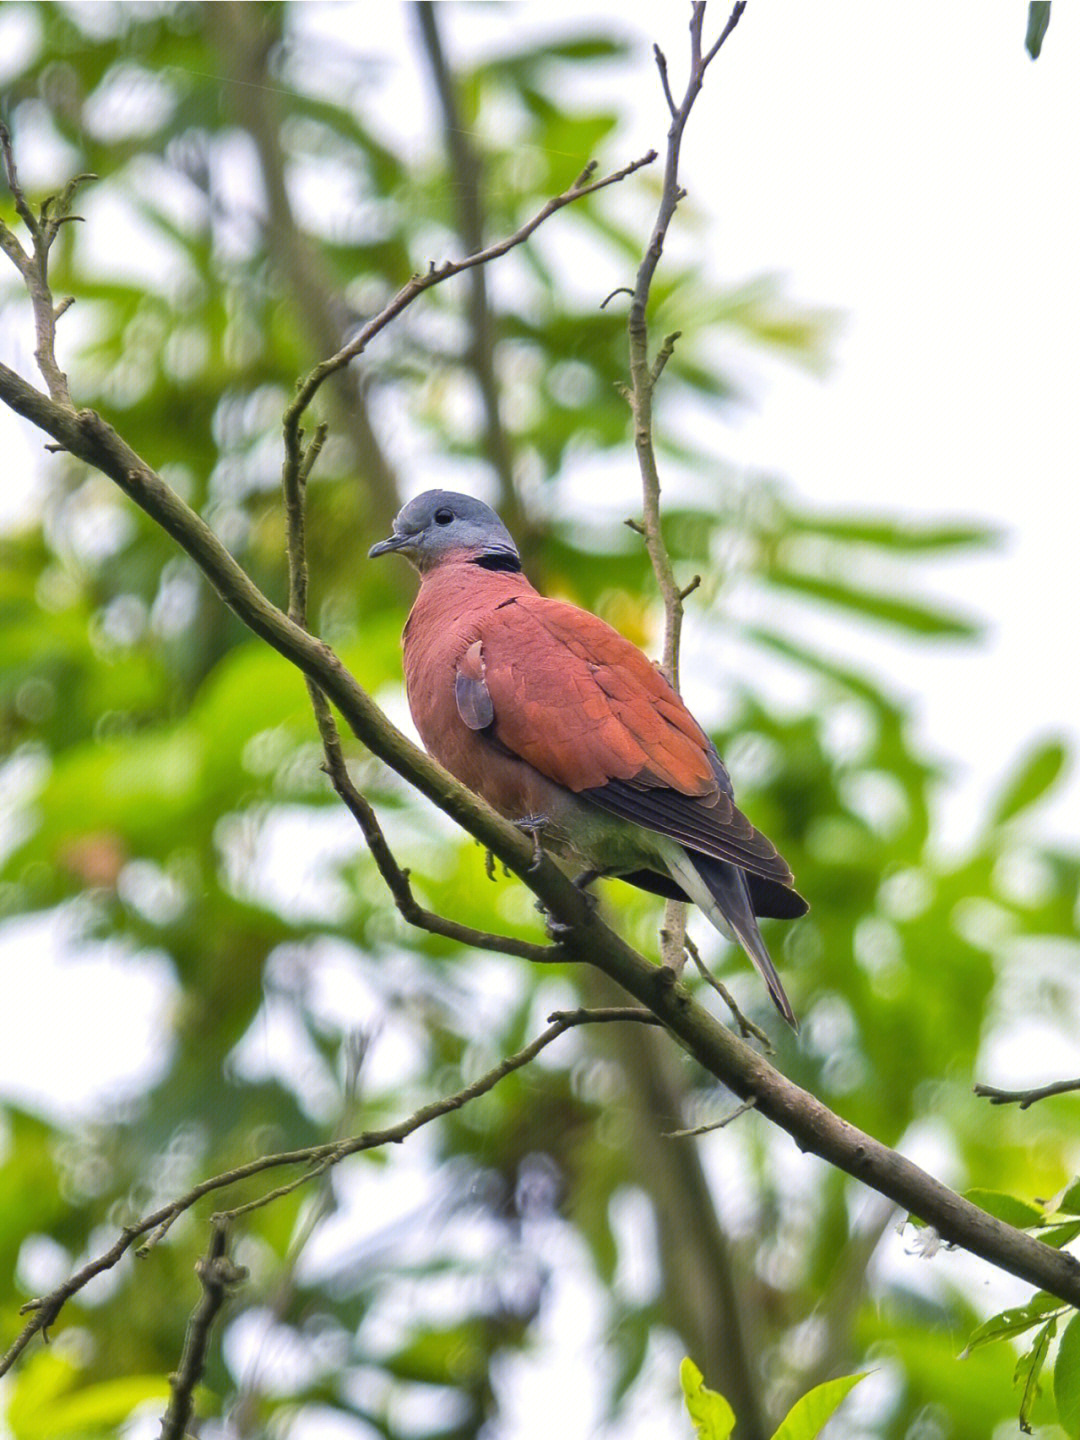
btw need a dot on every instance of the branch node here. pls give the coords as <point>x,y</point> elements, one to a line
<point>661,65</point>
<point>585,176</point>
<point>664,354</point>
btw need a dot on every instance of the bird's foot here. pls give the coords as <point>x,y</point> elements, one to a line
<point>533,826</point>
<point>556,929</point>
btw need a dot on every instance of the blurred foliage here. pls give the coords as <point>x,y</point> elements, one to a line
<point>168,796</point>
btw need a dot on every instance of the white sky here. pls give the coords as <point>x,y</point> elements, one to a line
<point>912,167</point>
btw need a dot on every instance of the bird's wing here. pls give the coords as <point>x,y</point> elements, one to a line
<point>581,704</point>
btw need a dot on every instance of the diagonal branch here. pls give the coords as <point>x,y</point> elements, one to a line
<point>317,1159</point>
<point>435,275</point>
<point>813,1126</point>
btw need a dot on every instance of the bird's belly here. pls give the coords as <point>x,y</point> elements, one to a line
<point>599,841</point>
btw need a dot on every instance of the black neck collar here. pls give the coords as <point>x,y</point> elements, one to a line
<point>498,560</point>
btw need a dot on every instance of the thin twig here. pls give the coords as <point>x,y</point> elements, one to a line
<point>1024,1098</point>
<point>397,879</point>
<point>661,65</point>
<point>644,378</point>
<point>296,469</point>
<point>34,266</point>
<point>435,275</point>
<point>712,1124</point>
<point>317,1159</point>
<point>218,1276</point>
<point>747,1028</point>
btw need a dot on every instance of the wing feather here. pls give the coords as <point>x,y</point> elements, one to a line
<point>584,706</point>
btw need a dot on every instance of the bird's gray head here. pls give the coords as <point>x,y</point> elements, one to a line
<point>439,524</point>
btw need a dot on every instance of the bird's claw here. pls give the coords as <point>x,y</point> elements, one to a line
<point>533,825</point>
<point>556,929</point>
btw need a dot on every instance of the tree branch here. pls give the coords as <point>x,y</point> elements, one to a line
<point>295,470</point>
<point>218,1276</point>
<point>34,266</point>
<point>643,381</point>
<point>717,1315</point>
<point>1024,1098</point>
<point>318,1158</point>
<point>435,275</point>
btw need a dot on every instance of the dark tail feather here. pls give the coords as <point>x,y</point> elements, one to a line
<point>727,885</point>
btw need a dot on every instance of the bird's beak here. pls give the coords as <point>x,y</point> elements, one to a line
<point>398,541</point>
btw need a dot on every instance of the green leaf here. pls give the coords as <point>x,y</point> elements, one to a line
<point>1067,1379</point>
<point>1006,1207</point>
<point>108,1403</point>
<point>1028,1369</point>
<point>808,1416</point>
<point>713,1417</point>
<point>1058,1235</point>
<point>910,615</point>
<point>1013,1322</point>
<point>1038,20</point>
<point>908,536</point>
<point>1069,1204</point>
<point>1032,778</point>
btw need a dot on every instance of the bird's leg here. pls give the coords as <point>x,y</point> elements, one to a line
<point>584,880</point>
<point>533,825</point>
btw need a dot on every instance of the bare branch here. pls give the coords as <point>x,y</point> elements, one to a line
<point>661,65</point>
<point>713,1124</point>
<point>733,20</point>
<point>747,1028</point>
<point>435,275</point>
<point>317,1159</point>
<point>218,1276</point>
<point>1024,1098</point>
<point>34,267</point>
<point>22,207</point>
<point>644,378</point>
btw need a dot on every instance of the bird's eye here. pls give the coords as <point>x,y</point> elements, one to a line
<point>443,517</point>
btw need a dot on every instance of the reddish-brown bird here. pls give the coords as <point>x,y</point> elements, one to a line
<point>565,727</point>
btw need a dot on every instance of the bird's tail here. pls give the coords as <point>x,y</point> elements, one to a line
<point>721,892</point>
